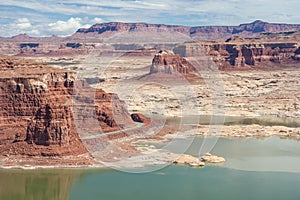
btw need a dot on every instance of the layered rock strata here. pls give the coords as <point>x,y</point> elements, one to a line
<point>169,63</point>
<point>37,109</point>
<point>196,32</point>
<point>239,54</point>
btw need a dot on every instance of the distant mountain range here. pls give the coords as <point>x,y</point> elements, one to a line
<point>140,31</point>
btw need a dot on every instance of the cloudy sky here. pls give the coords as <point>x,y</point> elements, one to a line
<point>64,17</point>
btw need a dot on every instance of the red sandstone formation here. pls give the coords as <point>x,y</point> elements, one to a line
<point>240,53</point>
<point>167,62</point>
<point>37,114</point>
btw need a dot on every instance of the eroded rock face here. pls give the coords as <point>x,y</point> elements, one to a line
<point>238,53</point>
<point>36,116</point>
<point>169,63</point>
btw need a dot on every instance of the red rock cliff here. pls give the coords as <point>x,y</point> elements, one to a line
<point>36,116</point>
<point>243,53</point>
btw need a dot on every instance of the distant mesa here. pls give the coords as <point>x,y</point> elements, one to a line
<point>106,30</point>
<point>196,32</point>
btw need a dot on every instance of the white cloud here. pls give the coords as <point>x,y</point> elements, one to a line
<point>65,27</point>
<point>34,32</point>
<point>71,25</point>
<point>60,27</point>
<point>22,23</point>
<point>18,26</point>
<point>97,20</point>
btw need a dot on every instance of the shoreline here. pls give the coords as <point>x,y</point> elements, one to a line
<point>170,160</point>
<point>143,145</point>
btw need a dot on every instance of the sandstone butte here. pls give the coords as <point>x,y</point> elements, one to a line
<point>36,116</point>
<point>167,62</point>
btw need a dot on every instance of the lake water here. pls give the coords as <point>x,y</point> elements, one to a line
<point>254,169</point>
<point>266,120</point>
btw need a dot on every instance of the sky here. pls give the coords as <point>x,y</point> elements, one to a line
<point>64,17</point>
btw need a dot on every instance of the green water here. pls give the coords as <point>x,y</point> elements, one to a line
<point>267,120</point>
<point>270,154</point>
<point>188,184</point>
<point>255,169</point>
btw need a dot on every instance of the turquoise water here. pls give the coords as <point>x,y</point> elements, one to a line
<point>185,183</point>
<point>270,154</point>
<point>255,169</point>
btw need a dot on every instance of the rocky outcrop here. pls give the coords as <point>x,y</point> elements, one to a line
<point>169,63</point>
<point>37,116</point>
<point>137,117</point>
<point>209,158</point>
<point>239,53</point>
<point>192,161</point>
<point>189,160</point>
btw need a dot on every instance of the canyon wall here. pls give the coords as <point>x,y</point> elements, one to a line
<point>243,54</point>
<point>37,109</point>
